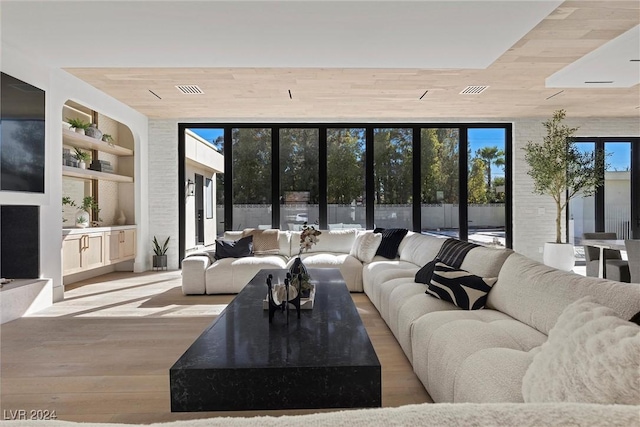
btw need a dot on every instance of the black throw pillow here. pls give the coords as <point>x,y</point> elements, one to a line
<point>635,319</point>
<point>391,238</point>
<point>424,274</point>
<point>234,248</point>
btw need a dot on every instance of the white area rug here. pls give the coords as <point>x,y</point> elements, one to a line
<point>428,414</point>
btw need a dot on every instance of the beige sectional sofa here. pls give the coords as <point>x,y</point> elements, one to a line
<point>459,355</point>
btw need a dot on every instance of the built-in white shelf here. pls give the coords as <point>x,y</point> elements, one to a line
<point>79,140</point>
<point>91,174</point>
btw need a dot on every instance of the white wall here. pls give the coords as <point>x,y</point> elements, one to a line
<point>533,215</point>
<point>59,87</point>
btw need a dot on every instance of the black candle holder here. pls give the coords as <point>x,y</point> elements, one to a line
<point>284,305</point>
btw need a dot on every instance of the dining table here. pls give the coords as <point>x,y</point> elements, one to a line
<point>604,244</point>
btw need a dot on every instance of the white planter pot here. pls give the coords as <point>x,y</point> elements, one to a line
<point>79,130</point>
<point>559,255</point>
<point>82,165</point>
<point>82,218</point>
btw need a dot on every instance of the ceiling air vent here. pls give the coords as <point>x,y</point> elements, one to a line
<point>190,89</point>
<point>473,90</point>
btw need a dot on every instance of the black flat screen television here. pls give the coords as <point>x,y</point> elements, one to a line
<point>22,131</point>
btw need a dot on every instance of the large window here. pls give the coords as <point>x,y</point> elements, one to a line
<point>299,195</point>
<point>393,177</point>
<point>346,190</point>
<point>251,155</point>
<point>615,207</point>
<point>439,181</point>
<point>444,179</point>
<point>486,185</point>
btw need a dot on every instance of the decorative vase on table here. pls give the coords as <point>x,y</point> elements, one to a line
<point>299,270</point>
<point>122,219</point>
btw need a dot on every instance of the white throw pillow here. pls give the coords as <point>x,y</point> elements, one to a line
<point>365,246</point>
<point>591,356</point>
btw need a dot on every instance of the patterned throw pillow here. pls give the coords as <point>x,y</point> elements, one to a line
<point>459,287</point>
<point>391,238</point>
<point>234,248</point>
<point>426,272</point>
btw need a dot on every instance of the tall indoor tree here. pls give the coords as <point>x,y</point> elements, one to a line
<point>559,169</point>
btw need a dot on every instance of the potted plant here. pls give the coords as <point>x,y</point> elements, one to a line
<point>83,217</point>
<point>107,138</point>
<point>160,253</point>
<point>82,156</point>
<point>559,169</point>
<point>78,125</point>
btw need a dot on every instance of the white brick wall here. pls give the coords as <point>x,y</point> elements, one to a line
<point>533,215</point>
<point>163,185</point>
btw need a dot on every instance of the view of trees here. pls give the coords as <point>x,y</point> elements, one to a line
<point>345,166</point>
<point>251,166</point>
<point>393,167</point>
<point>299,162</point>
<point>439,159</point>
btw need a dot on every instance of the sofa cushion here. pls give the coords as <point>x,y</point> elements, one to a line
<point>234,248</point>
<point>231,275</point>
<point>330,241</point>
<point>349,266</point>
<point>591,356</point>
<point>459,287</point>
<point>265,242</point>
<point>492,375</point>
<point>377,272</point>
<point>365,245</point>
<point>391,238</point>
<point>536,294</point>
<point>419,249</point>
<point>442,341</point>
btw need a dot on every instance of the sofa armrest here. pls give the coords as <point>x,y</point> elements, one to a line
<point>193,274</point>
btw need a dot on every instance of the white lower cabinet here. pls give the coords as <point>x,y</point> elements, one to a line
<point>84,250</point>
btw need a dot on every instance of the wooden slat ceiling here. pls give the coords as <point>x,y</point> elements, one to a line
<point>516,82</point>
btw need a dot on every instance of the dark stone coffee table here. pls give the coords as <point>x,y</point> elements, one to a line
<point>240,362</point>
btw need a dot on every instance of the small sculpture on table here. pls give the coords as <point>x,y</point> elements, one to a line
<point>283,300</point>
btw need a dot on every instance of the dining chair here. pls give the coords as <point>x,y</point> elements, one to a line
<point>615,268</point>
<point>633,254</point>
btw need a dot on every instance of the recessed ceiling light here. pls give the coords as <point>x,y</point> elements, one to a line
<point>600,82</point>
<point>634,60</point>
<point>290,96</point>
<point>557,93</point>
<point>473,90</point>
<point>154,94</point>
<point>190,89</point>
<point>425,92</point>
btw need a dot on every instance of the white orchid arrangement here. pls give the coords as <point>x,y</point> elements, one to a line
<point>308,237</point>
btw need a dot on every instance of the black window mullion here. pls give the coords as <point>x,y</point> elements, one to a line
<point>417,181</point>
<point>599,196</point>
<point>181,192</point>
<point>635,188</point>
<point>463,210</point>
<point>275,177</point>
<point>228,179</point>
<point>369,183</point>
<point>508,187</point>
<point>322,177</point>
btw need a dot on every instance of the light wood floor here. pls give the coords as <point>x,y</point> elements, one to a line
<point>104,353</point>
